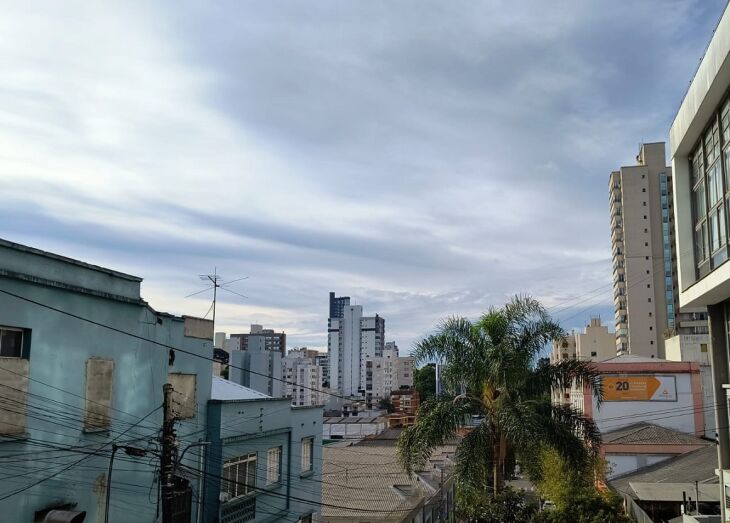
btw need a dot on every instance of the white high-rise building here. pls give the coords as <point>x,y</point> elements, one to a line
<point>353,339</point>
<point>303,379</point>
<point>645,286</point>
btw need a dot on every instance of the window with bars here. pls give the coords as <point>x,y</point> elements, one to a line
<point>307,454</point>
<point>273,465</point>
<point>239,476</point>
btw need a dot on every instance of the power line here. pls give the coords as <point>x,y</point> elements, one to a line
<point>75,462</point>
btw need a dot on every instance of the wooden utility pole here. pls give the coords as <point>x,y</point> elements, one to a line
<point>166,459</point>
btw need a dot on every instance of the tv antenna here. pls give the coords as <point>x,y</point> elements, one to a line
<point>216,282</point>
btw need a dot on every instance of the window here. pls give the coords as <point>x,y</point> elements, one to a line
<point>14,372</point>
<point>99,389</point>
<point>273,465</point>
<point>239,476</point>
<point>307,454</point>
<point>594,354</point>
<point>183,394</point>
<point>11,342</point>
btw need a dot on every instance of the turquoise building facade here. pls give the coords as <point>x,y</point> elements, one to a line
<point>77,375</point>
<point>270,455</point>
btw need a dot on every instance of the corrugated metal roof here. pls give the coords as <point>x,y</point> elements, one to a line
<point>650,434</point>
<point>698,465</point>
<point>227,390</point>
<point>673,491</point>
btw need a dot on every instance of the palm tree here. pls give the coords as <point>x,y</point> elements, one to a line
<point>494,372</point>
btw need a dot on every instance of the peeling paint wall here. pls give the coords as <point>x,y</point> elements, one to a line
<point>183,395</point>
<point>14,375</point>
<point>99,393</point>
<point>198,328</point>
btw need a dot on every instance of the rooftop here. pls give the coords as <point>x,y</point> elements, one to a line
<point>38,252</point>
<point>369,484</point>
<point>632,358</point>
<point>673,491</point>
<point>650,434</point>
<point>698,465</point>
<point>224,390</point>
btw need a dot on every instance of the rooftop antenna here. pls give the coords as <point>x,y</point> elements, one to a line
<point>215,280</point>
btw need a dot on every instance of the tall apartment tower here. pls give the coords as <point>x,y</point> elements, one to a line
<point>337,305</point>
<point>353,339</point>
<point>645,292</point>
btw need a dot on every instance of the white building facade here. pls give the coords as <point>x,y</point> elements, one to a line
<point>303,380</point>
<point>352,340</point>
<point>700,153</point>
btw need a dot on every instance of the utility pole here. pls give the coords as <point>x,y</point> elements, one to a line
<point>166,460</point>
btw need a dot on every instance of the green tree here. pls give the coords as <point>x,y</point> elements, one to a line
<point>386,405</point>
<point>508,505</point>
<point>588,506</point>
<point>424,381</point>
<point>499,388</point>
<point>574,492</point>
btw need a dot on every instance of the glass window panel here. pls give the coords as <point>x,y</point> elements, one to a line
<point>714,232</point>
<point>714,184</point>
<point>715,141</point>
<point>722,225</point>
<point>708,146</point>
<point>251,477</point>
<point>696,165</point>
<point>725,121</point>
<point>241,478</point>
<point>228,486</point>
<point>699,251</point>
<point>700,203</point>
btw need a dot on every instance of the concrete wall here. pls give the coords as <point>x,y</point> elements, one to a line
<point>696,347</point>
<point>59,350</point>
<point>241,427</point>
<point>625,463</point>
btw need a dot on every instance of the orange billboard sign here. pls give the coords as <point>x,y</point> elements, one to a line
<point>639,388</point>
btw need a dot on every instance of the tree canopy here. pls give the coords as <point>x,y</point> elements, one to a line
<point>497,396</point>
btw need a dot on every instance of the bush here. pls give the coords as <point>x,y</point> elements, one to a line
<point>509,505</point>
<point>587,506</point>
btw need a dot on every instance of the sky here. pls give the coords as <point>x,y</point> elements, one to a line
<point>425,158</point>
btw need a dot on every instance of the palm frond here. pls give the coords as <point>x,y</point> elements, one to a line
<point>571,434</point>
<point>437,421</point>
<point>563,374</point>
<point>475,458</point>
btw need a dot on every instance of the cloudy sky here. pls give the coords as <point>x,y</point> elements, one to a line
<point>425,158</point>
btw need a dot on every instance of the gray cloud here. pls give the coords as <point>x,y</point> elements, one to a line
<point>426,158</point>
